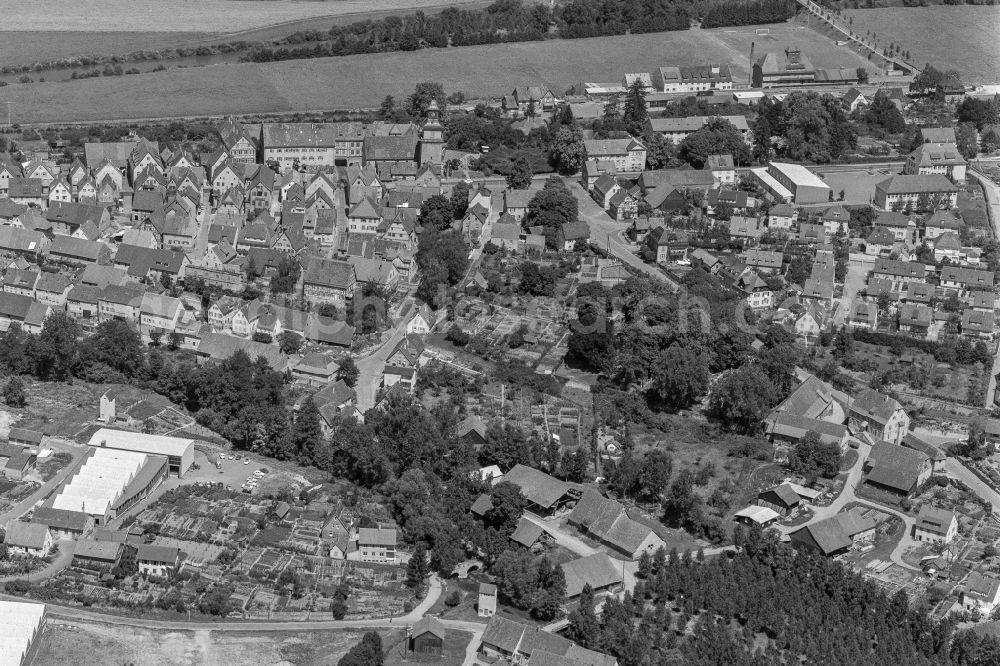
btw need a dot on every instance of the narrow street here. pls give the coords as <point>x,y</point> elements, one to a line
<point>604,233</point>
<point>993,210</point>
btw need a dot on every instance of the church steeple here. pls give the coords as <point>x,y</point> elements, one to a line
<point>432,136</point>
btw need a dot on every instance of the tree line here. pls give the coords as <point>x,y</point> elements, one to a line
<point>767,605</point>
<point>507,21</point>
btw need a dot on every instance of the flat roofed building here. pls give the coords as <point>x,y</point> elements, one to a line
<point>22,623</point>
<point>805,186</point>
<point>178,450</point>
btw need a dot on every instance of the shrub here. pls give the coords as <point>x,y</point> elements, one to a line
<point>453,599</point>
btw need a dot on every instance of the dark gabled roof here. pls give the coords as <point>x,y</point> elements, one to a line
<point>27,535</point>
<point>895,466</point>
<point>537,487</point>
<point>429,624</point>
<point>785,493</point>
<point>871,403</point>
<point>151,553</point>
<point>25,435</point>
<point>597,570</point>
<point>60,519</point>
<point>526,533</point>
<point>503,633</point>
<point>330,273</point>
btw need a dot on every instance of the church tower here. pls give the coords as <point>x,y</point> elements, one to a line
<point>432,136</point>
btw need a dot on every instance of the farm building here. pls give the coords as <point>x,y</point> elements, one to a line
<point>178,451</point>
<point>597,570</point>
<point>28,539</point>
<point>781,499</point>
<point>760,516</point>
<point>606,520</point>
<point>428,636</point>
<point>517,643</point>
<point>545,494</point>
<point>834,535</point>
<point>63,523</point>
<point>897,468</point>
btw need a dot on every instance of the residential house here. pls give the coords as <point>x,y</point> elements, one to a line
<point>722,168</point>
<point>853,100</point>
<point>598,571</point>
<point>678,129</point>
<point>376,544</point>
<point>982,593</point>
<point>882,417</point>
<point>79,251</point>
<point>781,499</point>
<point>789,429</point>
<point>20,282</point>
<point>935,525</point>
<point>52,289</point>
<point>942,222</point>
<point>915,319</point>
<point>27,539</point>
<point>120,302</point>
<point>781,216</point>
<point>966,280</point>
<point>978,324</point>
<point>571,233</point>
<point>863,315</point>
<point>157,561</point>
<point>515,203</point>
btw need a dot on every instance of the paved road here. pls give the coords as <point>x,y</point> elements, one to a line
<point>71,614</point>
<point>993,210</point>
<point>604,233</point>
<point>959,471</point>
<point>63,560</point>
<point>370,369</point>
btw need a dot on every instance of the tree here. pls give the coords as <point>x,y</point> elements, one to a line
<point>306,436</point>
<point>13,393</point>
<point>290,342</point>
<point>443,258</point>
<point>506,508</point>
<point>423,94</point>
<point>660,151</point>
<point>552,207</point>
<point>681,378</point>
<point>436,211</point>
<point>416,569</point>
<point>116,344</point>
<point>742,398</point>
<point>387,111</point>
<point>966,140</point>
<point>717,137</point>
<point>635,114</point>
<point>348,372</point>
<point>460,199</point>
<point>811,457</point>
<point>883,113</point>
<point>862,75</point>
<point>55,354</point>
<point>368,652</point>
<point>762,138</point>
<point>567,151</point>
<point>520,174</point>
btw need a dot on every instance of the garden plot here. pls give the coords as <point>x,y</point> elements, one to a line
<point>198,553</point>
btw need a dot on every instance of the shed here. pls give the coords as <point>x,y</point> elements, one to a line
<point>428,636</point>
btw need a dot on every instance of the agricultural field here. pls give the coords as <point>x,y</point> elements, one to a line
<point>933,34</point>
<point>212,16</point>
<point>22,48</point>
<point>348,82</point>
<point>110,645</point>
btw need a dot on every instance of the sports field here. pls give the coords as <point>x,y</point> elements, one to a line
<point>960,37</point>
<point>363,81</point>
<point>212,16</point>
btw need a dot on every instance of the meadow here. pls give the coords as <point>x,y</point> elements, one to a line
<point>212,16</point>
<point>363,81</point>
<point>960,37</point>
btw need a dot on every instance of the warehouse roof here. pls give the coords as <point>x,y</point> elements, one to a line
<point>141,442</point>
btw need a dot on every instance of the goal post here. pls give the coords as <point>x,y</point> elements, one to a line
<point>762,31</point>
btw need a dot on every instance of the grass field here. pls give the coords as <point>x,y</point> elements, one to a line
<point>22,48</point>
<point>961,37</point>
<point>363,81</point>
<point>100,645</point>
<point>227,16</point>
